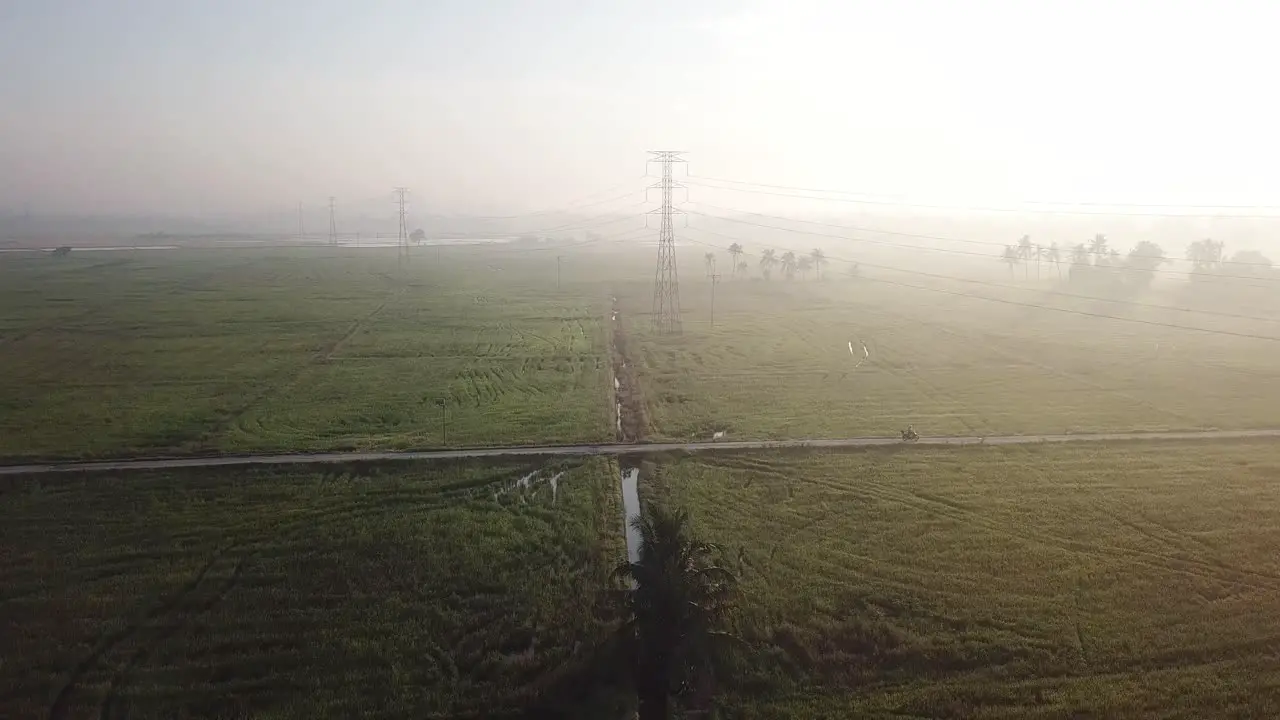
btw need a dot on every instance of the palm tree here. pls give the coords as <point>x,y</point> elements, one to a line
<point>741,268</point>
<point>1098,247</point>
<point>1039,253</point>
<point>735,252</point>
<point>1010,256</point>
<point>710,260</point>
<point>674,612</point>
<point>1080,255</point>
<point>1054,255</point>
<point>804,265</point>
<point>1024,253</point>
<point>819,259</point>
<point>767,261</point>
<point>789,264</point>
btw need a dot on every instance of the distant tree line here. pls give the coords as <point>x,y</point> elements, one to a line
<point>1096,263</point>
<point>791,264</point>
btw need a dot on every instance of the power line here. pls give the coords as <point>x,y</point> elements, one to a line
<point>1052,211</point>
<point>616,237</point>
<point>583,224</point>
<point>981,336</point>
<point>1085,313</point>
<point>944,238</point>
<point>1069,311</point>
<point>1090,298</point>
<point>954,251</point>
<point>1031,202</point>
<point>577,204</point>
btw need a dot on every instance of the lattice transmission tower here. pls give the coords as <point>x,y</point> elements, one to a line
<point>402,238</point>
<point>333,226</point>
<point>666,284</point>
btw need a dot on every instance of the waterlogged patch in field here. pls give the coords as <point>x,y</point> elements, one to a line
<point>1001,582</point>
<point>778,365</point>
<point>393,590</point>
<point>235,351</point>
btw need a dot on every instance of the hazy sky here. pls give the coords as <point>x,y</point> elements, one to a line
<point>483,105</point>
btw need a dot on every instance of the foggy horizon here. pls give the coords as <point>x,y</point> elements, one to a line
<point>240,109</point>
<point>794,359</point>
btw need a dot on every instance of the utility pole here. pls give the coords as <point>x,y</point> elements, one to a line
<point>402,238</point>
<point>557,273</point>
<point>715,278</point>
<point>444,427</point>
<point>301,235</point>
<point>333,227</point>
<point>666,284</point>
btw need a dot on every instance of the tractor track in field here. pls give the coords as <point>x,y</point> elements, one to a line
<point>111,706</point>
<point>289,378</point>
<point>110,641</point>
<point>996,342</point>
<point>632,448</point>
<point>1176,562</point>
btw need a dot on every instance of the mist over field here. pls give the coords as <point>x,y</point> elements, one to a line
<point>596,360</point>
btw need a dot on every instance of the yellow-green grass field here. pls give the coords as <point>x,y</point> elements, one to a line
<point>399,590</point>
<point>778,363</point>
<point>213,351</point>
<point>275,350</point>
<point>1118,580</point>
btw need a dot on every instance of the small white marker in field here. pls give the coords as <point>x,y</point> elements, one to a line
<point>866,354</point>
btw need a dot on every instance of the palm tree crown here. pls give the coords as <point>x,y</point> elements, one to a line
<point>819,259</point>
<point>675,609</point>
<point>804,265</point>
<point>735,252</point>
<point>767,261</point>
<point>1098,246</point>
<point>789,264</point>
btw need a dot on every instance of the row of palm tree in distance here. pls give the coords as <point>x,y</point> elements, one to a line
<point>789,262</point>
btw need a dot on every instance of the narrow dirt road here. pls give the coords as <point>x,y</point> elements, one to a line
<point>625,449</point>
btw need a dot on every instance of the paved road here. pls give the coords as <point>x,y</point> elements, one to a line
<point>620,449</point>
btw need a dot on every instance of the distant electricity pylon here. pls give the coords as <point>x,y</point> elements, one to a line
<point>666,285</point>
<point>402,238</point>
<point>302,235</point>
<point>333,227</point>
